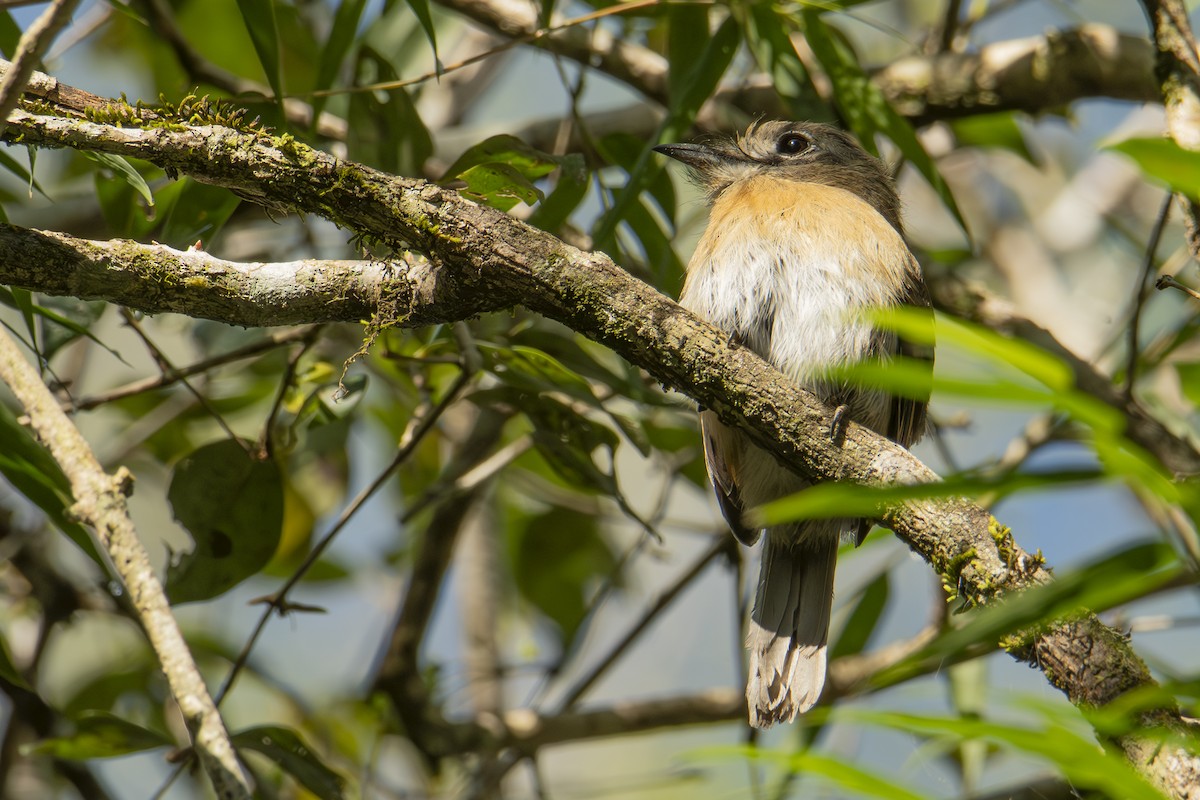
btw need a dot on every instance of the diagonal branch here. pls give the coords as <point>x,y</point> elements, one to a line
<point>483,252</point>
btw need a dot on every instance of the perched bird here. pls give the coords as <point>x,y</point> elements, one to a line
<point>804,240</point>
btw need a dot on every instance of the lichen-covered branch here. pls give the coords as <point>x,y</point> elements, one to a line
<point>483,252</point>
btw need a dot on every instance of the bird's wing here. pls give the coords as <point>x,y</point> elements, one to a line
<point>722,449</point>
<point>906,424</point>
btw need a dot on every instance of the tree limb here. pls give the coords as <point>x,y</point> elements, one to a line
<point>483,252</point>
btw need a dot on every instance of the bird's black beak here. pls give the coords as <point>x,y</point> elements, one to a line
<point>697,156</point>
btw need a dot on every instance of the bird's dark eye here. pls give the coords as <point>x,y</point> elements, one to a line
<point>791,144</point>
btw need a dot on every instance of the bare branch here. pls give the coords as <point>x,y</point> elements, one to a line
<point>100,500</point>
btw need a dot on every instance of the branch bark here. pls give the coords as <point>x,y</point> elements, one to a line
<point>480,252</point>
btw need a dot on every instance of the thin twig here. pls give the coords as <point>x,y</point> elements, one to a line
<point>1169,281</point>
<point>410,443</point>
<point>166,368</point>
<point>273,340</point>
<point>1149,262</point>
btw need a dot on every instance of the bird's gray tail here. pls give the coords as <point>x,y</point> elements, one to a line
<point>790,625</point>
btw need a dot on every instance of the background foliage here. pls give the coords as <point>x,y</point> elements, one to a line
<point>548,542</point>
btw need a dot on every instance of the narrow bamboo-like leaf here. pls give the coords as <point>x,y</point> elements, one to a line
<point>1105,583</point>
<point>864,106</point>
<point>261,24</point>
<point>995,131</point>
<point>288,749</point>
<point>33,473</point>
<point>833,500</point>
<point>198,214</point>
<point>844,774</point>
<point>1165,161</point>
<point>771,44</point>
<point>694,87</point>
<point>341,38</point>
<point>863,619</point>
<point>1083,762</point>
<point>125,170</point>
<point>421,9</point>
<point>99,734</point>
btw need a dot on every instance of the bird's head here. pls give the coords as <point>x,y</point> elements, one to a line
<point>809,152</point>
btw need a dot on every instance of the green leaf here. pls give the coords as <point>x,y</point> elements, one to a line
<point>421,9</point>
<point>508,150</point>
<point>569,191</point>
<point>9,163</point>
<point>1128,574</point>
<point>864,106</point>
<point>556,556</point>
<point>498,185</point>
<point>834,499</point>
<point>771,45</point>
<point>1085,764</point>
<point>124,170</point>
<point>1166,162</point>
<point>999,131</point>
<point>10,34</point>
<point>863,620</point>
<point>99,734</point>
<point>286,748</point>
<point>341,37</point>
<point>1189,380</point>
<point>232,505</point>
<point>846,775</point>
<point>692,87</point>
<point>33,473</point>
<point>385,128</point>
<point>198,214</point>
<point>261,24</point>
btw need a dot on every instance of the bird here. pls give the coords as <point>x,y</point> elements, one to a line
<point>804,240</point>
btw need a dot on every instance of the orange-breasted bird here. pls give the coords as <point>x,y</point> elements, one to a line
<point>804,241</point>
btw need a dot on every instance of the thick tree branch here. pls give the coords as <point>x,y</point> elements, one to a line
<point>483,252</point>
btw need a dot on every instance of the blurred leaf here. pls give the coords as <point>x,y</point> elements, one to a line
<point>864,107</point>
<point>1084,763</point>
<point>771,45</point>
<point>259,17</point>
<point>68,319</point>
<point>692,86</point>
<point>9,163</point>
<point>22,300</point>
<point>287,749</point>
<point>1114,579</point>
<point>36,475</point>
<point>1189,380</point>
<point>8,670</point>
<point>198,214</point>
<point>124,170</point>
<point>556,555</point>
<point>99,734</point>
<point>837,499</point>
<point>387,133</point>
<point>421,9</point>
<point>341,37</point>
<point>863,619</point>
<point>968,692</point>
<point>844,774</point>
<point>498,185</point>
<point>999,131</point>
<point>1165,161</point>
<point>10,35</point>
<point>232,505</point>
<point>552,213</point>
